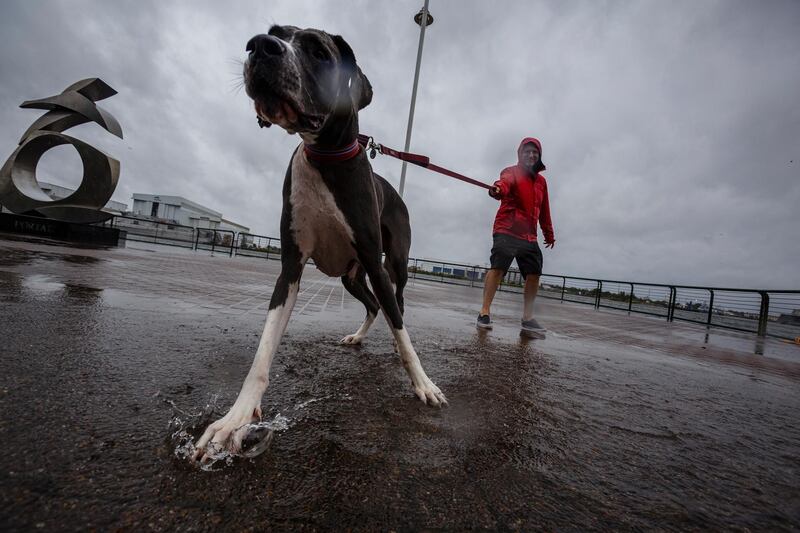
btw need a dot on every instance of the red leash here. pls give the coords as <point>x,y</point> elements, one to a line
<point>420,160</point>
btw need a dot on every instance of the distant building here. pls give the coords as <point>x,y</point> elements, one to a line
<point>233,226</point>
<point>179,210</point>
<point>57,192</point>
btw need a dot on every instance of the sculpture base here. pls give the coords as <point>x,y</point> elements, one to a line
<point>57,230</point>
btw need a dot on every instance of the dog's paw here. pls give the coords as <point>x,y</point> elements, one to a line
<point>430,394</point>
<point>226,434</point>
<point>352,339</point>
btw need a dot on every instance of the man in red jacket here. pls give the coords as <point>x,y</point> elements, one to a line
<point>522,192</point>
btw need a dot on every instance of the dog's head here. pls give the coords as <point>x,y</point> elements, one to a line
<point>299,78</point>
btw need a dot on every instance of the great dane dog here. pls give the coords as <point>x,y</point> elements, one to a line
<point>336,211</point>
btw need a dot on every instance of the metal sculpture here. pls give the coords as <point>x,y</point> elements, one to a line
<point>20,191</point>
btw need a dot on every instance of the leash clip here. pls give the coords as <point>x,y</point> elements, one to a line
<point>373,147</point>
<point>370,146</point>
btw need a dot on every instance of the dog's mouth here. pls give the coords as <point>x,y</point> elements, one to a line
<point>276,111</point>
<point>274,107</point>
<point>285,113</point>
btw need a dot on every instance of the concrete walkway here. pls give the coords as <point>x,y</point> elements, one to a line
<point>612,422</point>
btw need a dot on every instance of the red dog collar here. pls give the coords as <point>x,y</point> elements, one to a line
<point>332,156</point>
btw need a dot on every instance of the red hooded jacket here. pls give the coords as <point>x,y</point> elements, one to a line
<point>524,200</point>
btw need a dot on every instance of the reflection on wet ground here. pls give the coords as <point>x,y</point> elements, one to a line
<point>612,422</point>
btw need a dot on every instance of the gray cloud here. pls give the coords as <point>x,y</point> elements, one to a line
<point>671,131</point>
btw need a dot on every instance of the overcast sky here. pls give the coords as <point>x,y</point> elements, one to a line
<point>671,130</point>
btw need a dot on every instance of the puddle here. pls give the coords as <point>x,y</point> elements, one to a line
<point>39,283</point>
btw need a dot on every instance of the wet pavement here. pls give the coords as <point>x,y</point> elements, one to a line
<point>612,422</point>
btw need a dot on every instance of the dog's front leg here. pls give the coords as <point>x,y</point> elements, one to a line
<point>424,388</point>
<point>227,432</point>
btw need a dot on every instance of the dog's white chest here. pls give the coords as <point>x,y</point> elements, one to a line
<point>319,226</point>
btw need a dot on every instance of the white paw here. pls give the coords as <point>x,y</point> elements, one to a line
<point>227,433</point>
<point>430,394</point>
<point>352,339</point>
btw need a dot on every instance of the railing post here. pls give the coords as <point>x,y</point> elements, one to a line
<point>630,300</point>
<point>196,237</point>
<point>213,240</point>
<point>763,314</point>
<point>669,305</point>
<point>673,299</point>
<point>599,292</point>
<point>233,241</point>
<point>563,287</point>
<point>710,306</point>
<point>416,267</point>
<point>269,243</point>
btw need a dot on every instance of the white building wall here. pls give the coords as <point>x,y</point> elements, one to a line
<point>233,226</point>
<point>196,218</point>
<point>140,207</point>
<point>182,211</point>
<point>170,212</point>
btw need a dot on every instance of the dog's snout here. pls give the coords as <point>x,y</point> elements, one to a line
<point>265,45</point>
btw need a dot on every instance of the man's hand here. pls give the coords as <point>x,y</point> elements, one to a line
<point>494,192</point>
<point>549,244</point>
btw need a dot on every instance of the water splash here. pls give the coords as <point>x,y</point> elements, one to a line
<point>259,436</point>
<point>306,403</point>
<point>184,426</point>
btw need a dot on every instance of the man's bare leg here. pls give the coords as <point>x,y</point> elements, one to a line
<point>531,289</point>
<point>490,285</point>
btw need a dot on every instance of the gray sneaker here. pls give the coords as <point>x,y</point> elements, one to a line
<point>533,327</point>
<point>484,322</point>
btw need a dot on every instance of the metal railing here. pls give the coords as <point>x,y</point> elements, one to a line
<point>763,312</point>
<point>774,313</point>
<point>251,245</point>
<point>170,234</point>
<point>445,272</point>
<point>211,239</point>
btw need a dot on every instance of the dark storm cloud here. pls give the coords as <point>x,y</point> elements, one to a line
<point>670,130</point>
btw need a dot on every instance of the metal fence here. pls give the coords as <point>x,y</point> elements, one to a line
<point>169,234</point>
<point>763,312</point>
<point>251,245</point>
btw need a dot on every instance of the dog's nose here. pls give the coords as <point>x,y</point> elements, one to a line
<point>265,45</point>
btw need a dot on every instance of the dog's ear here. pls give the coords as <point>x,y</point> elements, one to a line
<point>355,81</point>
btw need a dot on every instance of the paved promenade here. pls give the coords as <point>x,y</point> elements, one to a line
<point>612,422</point>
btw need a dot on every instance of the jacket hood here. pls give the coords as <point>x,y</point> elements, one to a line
<point>532,140</point>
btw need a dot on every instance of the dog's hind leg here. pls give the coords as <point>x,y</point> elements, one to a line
<point>397,267</point>
<point>396,243</point>
<point>227,432</point>
<point>424,388</point>
<point>357,286</point>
